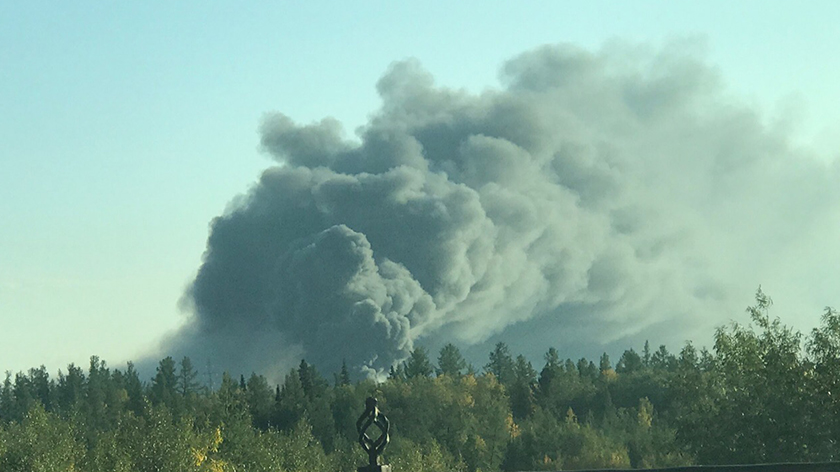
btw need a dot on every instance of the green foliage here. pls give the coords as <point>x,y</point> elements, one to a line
<point>41,442</point>
<point>649,444</point>
<point>187,375</point>
<point>299,451</point>
<point>469,417</point>
<point>405,454</point>
<point>314,386</point>
<point>450,361</point>
<point>630,362</point>
<point>521,390</point>
<point>604,363</point>
<point>137,401</point>
<point>259,396</point>
<point>757,402</point>
<point>562,386</point>
<point>7,399</point>
<point>501,364</point>
<point>291,403</point>
<point>70,388</point>
<point>824,357</point>
<point>343,377</point>
<point>763,394</point>
<point>549,443</point>
<point>418,364</point>
<point>165,384</point>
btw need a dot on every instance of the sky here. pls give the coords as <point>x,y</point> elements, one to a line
<point>127,128</point>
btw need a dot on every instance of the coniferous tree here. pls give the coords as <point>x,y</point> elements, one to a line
<point>96,386</point>
<point>187,378</point>
<point>7,399</point>
<point>629,362</point>
<point>260,398</point>
<point>293,402</point>
<point>501,364</point>
<point>24,395</point>
<point>43,387</point>
<point>397,372</point>
<point>662,359</point>
<point>521,390</point>
<point>569,367</point>
<point>450,361</point>
<point>587,369</point>
<point>604,363</point>
<point>102,403</point>
<point>164,384</point>
<point>343,377</point>
<point>550,370</point>
<point>305,376</point>
<point>418,364</point>
<point>134,390</point>
<point>313,384</point>
<point>232,407</point>
<point>70,389</point>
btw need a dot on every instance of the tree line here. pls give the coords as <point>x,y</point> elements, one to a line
<point>763,393</point>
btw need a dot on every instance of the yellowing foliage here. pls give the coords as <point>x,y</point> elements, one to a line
<point>571,417</point>
<point>201,454</point>
<point>645,415</point>
<point>512,427</point>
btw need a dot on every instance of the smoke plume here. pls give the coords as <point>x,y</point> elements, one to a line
<point>594,196</point>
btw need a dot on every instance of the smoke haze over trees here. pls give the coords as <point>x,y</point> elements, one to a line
<point>595,196</point>
<point>763,394</point>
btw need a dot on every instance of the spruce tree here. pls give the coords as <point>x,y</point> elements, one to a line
<point>343,377</point>
<point>450,361</point>
<point>187,375</point>
<point>418,364</point>
<point>501,364</point>
<point>164,384</point>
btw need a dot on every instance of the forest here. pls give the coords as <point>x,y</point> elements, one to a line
<point>763,393</point>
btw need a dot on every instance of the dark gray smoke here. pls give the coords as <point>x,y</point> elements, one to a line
<point>595,195</point>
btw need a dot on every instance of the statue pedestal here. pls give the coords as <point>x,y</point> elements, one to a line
<point>375,468</point>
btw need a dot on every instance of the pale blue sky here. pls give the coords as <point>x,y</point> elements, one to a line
<point>126,127</point>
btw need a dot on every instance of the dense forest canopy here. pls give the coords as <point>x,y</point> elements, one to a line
<point>763,393</point>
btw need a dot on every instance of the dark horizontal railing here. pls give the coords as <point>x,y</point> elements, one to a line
<point>799,467</point>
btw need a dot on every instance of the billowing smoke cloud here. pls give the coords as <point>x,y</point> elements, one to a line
<point>596,195</point>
